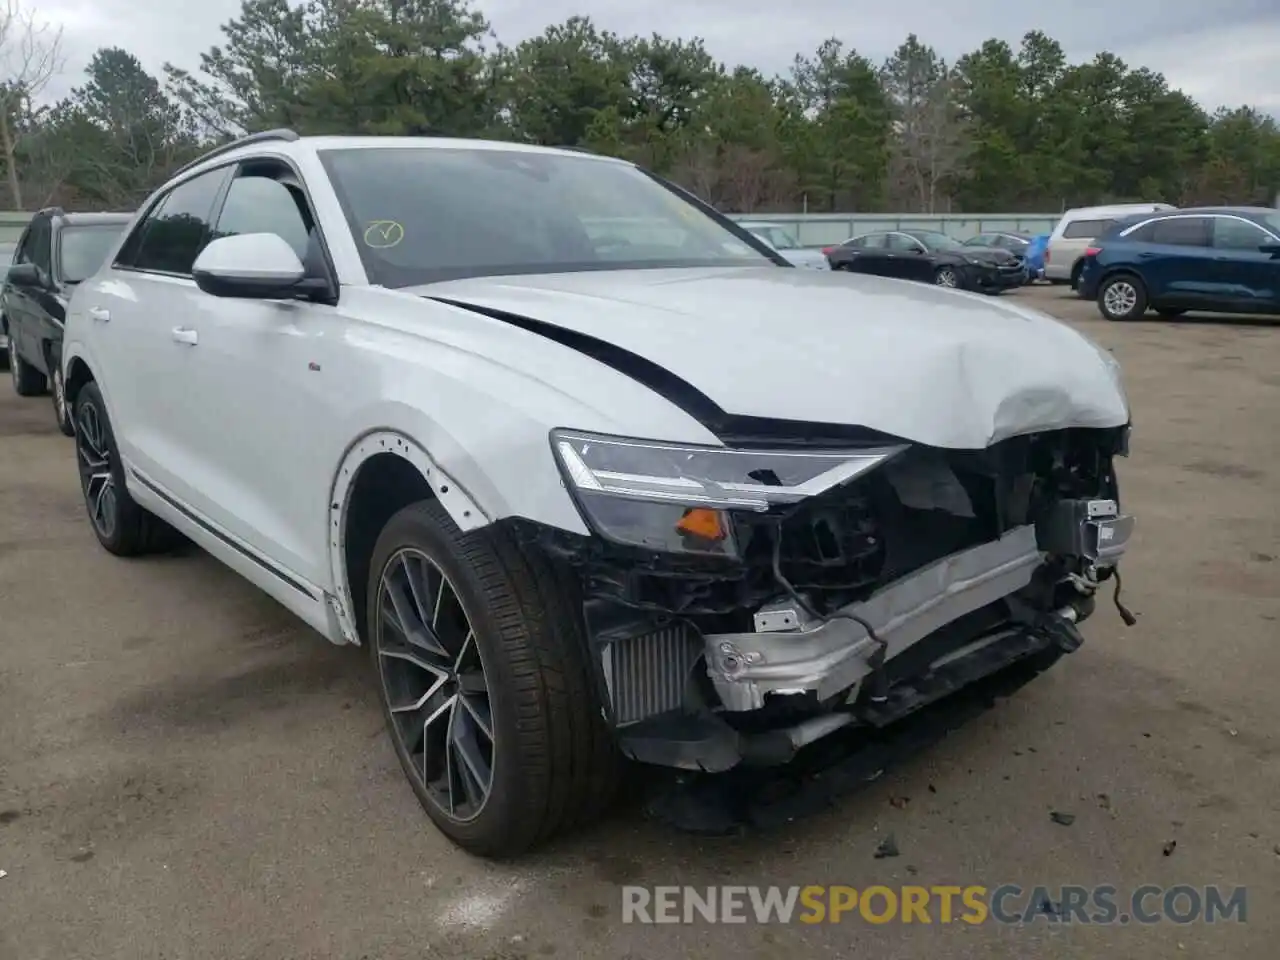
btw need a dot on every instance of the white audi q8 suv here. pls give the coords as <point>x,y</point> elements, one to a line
<point>592,472</point>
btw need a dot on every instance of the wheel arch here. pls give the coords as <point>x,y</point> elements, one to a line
<point>380,473</point>
<point>78,373</point>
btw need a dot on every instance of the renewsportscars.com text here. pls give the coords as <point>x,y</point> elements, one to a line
<point>974,904</point>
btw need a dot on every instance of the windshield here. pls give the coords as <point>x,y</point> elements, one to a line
<point>421,214</point>
<point>84,248</point>
<point>936,241</point>
<point>1272,221</point>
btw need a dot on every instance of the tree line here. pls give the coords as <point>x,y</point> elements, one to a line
<point>1003,128</point>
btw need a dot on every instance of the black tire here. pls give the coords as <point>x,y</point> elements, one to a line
<point>61,410</point>
<point>1169,313</point>
<point>1075,274</point>
<point>132,530</point>
<point>1122,297</point>
<point>553,763</point>
<point>27,380</point>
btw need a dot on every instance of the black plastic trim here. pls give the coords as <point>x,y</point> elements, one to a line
<point>208,528</point>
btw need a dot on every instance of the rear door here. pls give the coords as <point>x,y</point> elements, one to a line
<point>870,254</point>
<point>908,258</point>
<point>1250,279</point>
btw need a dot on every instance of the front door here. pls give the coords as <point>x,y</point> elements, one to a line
<point>1250,278</point>
<point>268,371</point>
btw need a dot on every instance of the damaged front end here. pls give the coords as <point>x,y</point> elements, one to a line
<point>742,603</point>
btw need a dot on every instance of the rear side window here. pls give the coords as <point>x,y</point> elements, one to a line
<point>1085,229</point>
<point>176,230</point>
<point>873,241</point>
<point>1181,232</point>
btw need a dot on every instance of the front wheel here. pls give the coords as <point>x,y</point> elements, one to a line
<point>477,643</point>
<point>1122,298</point>
<point>946,277</point>
<point>61,412</point>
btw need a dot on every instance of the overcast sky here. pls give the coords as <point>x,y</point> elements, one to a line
<point>1220,53</point>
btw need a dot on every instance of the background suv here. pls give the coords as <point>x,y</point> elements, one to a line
<point>57,251</point>
<point>1078,228</point>
<point>1222,259</point>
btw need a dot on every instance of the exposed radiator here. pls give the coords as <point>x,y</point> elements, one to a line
<point>648,674</point>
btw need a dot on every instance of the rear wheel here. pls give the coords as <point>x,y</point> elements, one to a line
<point>27,380</point>
<point>1075,275</point>
<point>61,412</point>
<point>120,524</point>
<point>482,671</point>
<point>1122,298</point>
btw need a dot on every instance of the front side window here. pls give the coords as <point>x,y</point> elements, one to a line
<point>83,248</point>
<point>935,241</point>
<point>258,204</point>
<point>903,243</point>
<point>422,214</point>
<point>1232,234</point>
<point>40,251</point>
<point>176,230</point>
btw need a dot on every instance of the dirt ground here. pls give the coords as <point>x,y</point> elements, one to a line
<point>187,772</point>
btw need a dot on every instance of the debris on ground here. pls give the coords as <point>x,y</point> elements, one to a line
<point>1169,847</point>
<point>932,788</point>
<point>888,848</point>
<point>5,873</point>
<point>899,803</point>
<point>1062,819</point>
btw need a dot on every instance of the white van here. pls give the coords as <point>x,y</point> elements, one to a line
<point>1080,227</point>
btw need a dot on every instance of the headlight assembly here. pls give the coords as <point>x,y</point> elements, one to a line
<point>675,497</point>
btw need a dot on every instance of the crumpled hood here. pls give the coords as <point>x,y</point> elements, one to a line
<point>989,254</point>
<point>933,366</point>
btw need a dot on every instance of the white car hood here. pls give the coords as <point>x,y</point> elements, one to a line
<point>933,366</point>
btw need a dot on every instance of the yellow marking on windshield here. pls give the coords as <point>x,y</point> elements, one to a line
<point>383,234</point>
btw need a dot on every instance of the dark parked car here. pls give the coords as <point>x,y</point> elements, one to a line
<point>57,251</point>
<point>1222,259</point>
<point>929,257</point>
<point>1019,244</point>
<point>6,257</point>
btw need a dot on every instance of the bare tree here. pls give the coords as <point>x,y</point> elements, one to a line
<point>932,144</point>
<point>30,54</point>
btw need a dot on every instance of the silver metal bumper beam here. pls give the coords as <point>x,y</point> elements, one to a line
<point>830,657</point>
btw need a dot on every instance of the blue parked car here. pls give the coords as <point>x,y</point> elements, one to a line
<point>1220,259</point>
<point>1035,256</point>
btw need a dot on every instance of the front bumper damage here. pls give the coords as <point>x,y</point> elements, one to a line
<point>824,658</point>
<point>937,571</point>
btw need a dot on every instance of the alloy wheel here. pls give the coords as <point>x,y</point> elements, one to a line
<point>96,476</point>
<point>1120,298</point>
<point>434,681</point>
<point>946,277</point>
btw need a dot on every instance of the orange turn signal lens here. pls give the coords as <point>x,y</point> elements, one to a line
<point>703,523</point>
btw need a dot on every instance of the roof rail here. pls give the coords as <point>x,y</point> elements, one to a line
<point>51,211</point>
<point>577,149</point>
<point>281,133</point>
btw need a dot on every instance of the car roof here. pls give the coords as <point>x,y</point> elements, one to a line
<point>1235,211</point>
<point>292,145</point>
<point>89,219</point>
<point>1116,209</point>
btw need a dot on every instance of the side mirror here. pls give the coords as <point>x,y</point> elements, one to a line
<point>25,275</point>
<point>250,266</point>
<point>1271,248</point>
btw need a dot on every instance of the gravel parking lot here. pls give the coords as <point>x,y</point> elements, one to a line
<point>186,771</point>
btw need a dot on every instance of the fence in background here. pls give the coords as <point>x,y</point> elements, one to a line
<point>822,229</point>
<point>812,230</point>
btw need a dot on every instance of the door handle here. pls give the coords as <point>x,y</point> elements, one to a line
<point>186,335</point>
<point>99,314</point>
